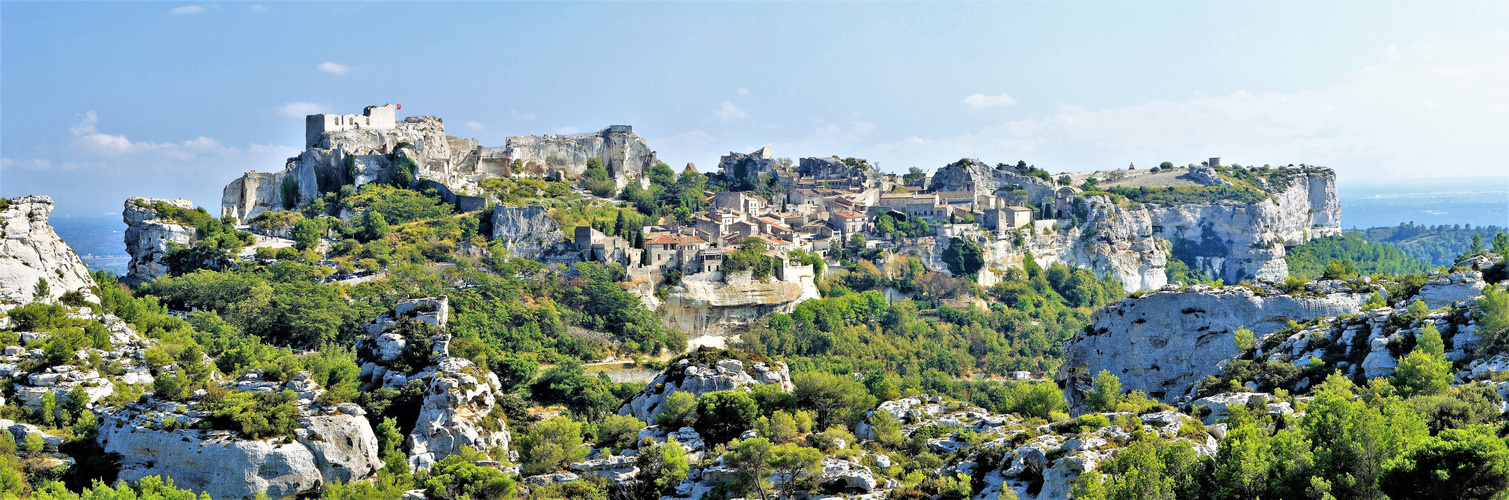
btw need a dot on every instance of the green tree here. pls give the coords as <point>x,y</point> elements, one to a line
<point>661,468</point>
<point>551,445</point>
<point>41,291</point>
<point>1457,464</point>
<point>1243,338</point>
<point>679,410</point>
<point>963,257</point>
<point>837,399</point>
<point>618,431</point>
<point>750,458</point>
<point>723,415</point>
<point>798,466</point>
<point>1106,392</point>
<point>458,477</point>
<point>374,226</point>
<point>307,233</point>
<point>1242,457</point>
<point>887,429</point>
<point>1425,371</point>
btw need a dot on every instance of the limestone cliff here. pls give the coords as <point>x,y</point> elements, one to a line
<point>31,252</point>
<point>974,175</point>
<point>1133,242</point>
<point>707,304</point>
<point>623,153</point>
<point>1163,343</point>
<point>453,166</point>
<point>148,237</point>
<point>528,232</point>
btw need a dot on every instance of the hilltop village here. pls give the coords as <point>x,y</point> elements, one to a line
<point>399,313</point>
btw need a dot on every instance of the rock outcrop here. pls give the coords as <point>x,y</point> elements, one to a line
<point>528,231</point>
<point>453,166</point>
<point>31,253</point>
<point>699,379</point>
<point>706,305</point>
<point>459,397</point>
<point>149,236</point>
<point>623,153</point>
<point>456,412</point>
<point>1133,242</point>
<point>325,448</point>
<point>761,162</point>
<point>1163,343</point>
<point>981,178</point>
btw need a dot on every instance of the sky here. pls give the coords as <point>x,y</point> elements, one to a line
<point>104,101</point>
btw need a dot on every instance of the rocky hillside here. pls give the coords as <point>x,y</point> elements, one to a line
<point>1164,342</point>
<point>1231,239</point>
<point>417,150</point>
<point>35,264</point>
<point>712,305</point>
<point>149,236</point>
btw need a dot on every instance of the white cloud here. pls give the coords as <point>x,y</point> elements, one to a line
<point>862,127</point>
<point>986,101</point>
<point>743,91</point>
<point>1427,108</point>
<point>475,125</point>
<point>187,10</point>
<point>567,130</point>
<point>334,68</point>
<point>301,109</point>
<point>257,8</point>
<point>729,112</point>
<point>88,139</point>
<point>515,114</point>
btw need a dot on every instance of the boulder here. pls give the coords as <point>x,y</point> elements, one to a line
<point>226,466</point>
<point>456,412</point>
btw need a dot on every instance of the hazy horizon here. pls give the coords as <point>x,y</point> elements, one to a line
<point>104,101</point>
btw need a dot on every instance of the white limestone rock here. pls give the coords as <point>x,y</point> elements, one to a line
<point>456,412</point>
<point>1163,343</point>
<point>148,237</point>
<point>31,251</point>
<point>528,231</point>
<point>327,448</point>
<point>1442,291</point>
<point>699,380</point>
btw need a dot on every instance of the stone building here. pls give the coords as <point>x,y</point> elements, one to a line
<point>383,117</point>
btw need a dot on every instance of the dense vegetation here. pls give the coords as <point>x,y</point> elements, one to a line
<point>1438,245</point>
<point>1309,260</point>
<point>539,329</point>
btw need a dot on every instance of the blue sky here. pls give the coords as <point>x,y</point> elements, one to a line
<point>103,101</point>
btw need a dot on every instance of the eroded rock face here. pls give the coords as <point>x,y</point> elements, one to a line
<point>977,176</point>
<point>31,251</point>
<point>1163,343</point>
<point>148,237</point>
<point>708,306</point>
<point>1134,243</point>
<point>338,447</point>
<point>455,413</point>
<point>725,375</point>
<point>459,397</point>
<point>623,153</point>
<point>1460,286</point>
<point>527,231</point>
